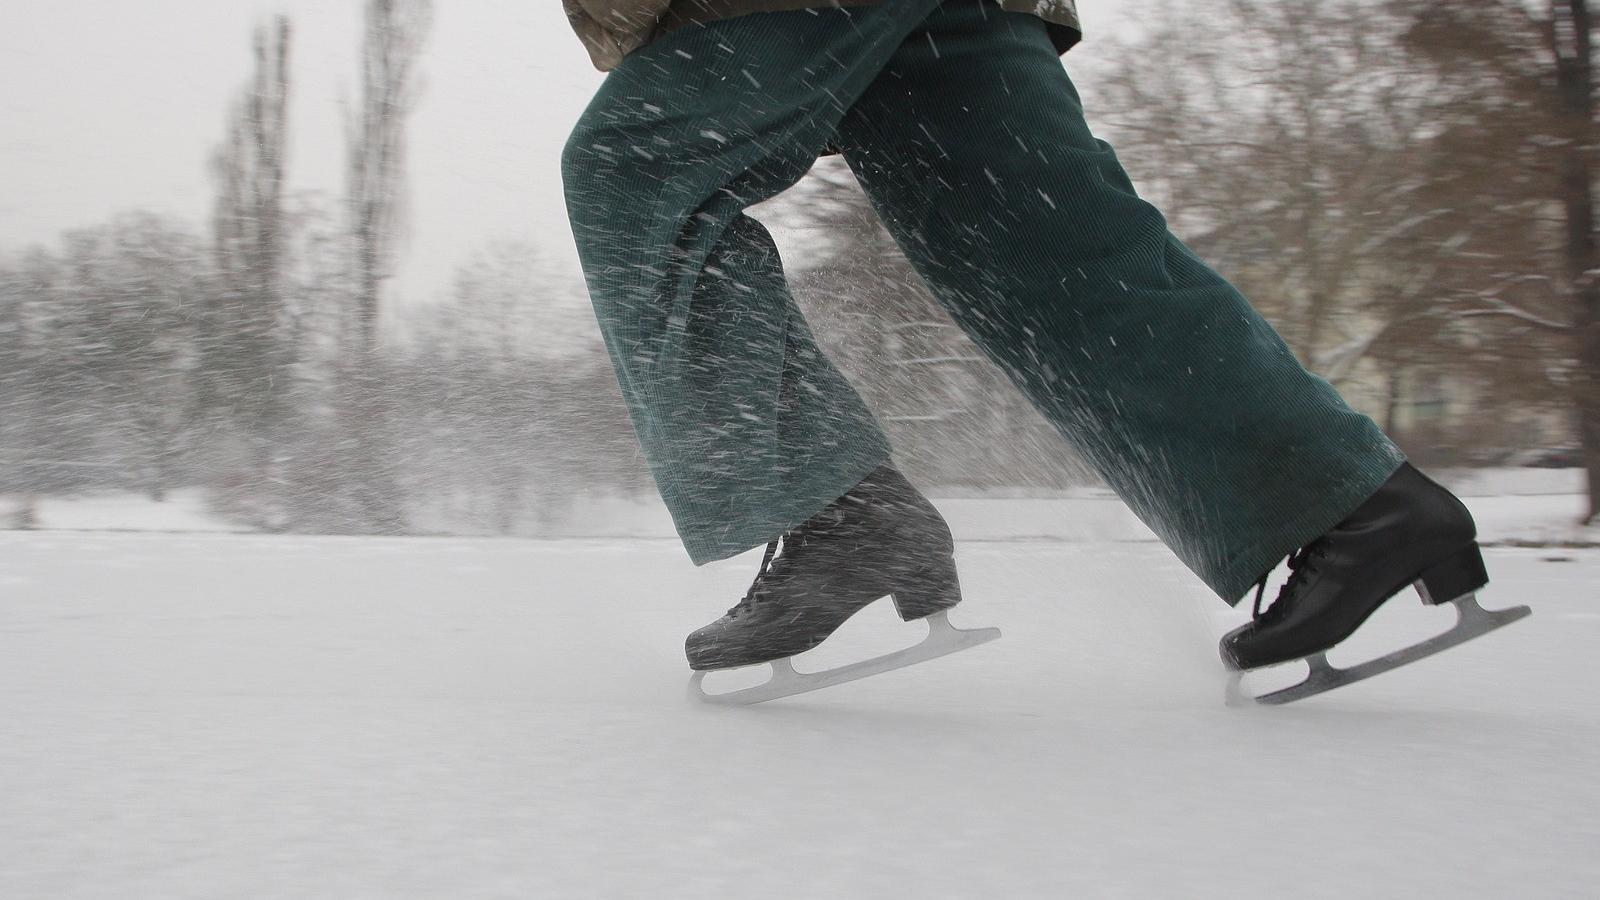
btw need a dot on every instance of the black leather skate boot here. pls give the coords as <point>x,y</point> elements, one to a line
<point>1411,532</point>
<point>881,538</point>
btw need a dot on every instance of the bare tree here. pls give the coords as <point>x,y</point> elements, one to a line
<point>24,385</point>
<point>96,359</point>
<point>394,37</point>
<point>1521,138</point>
<point>1282,140</point>
<point>1571,41</point>
<point>510,410</point>
<point>245,348</point>
<point>1373,175</point>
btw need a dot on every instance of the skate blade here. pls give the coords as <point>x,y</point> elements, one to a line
<point>1472,621</point>
<point>943,639</point>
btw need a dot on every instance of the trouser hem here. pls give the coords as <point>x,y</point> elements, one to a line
<point>1241,573</point>
<point>750,531</point>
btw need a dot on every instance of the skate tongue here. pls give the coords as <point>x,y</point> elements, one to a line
<point>1299,571</point>
<point>748,602</point>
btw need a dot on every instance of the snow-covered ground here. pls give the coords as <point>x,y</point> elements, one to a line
<point>246,716</point>
<point>184,510</point>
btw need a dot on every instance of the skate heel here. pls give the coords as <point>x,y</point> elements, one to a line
<point>928,591</point>
<point>1456,577</point>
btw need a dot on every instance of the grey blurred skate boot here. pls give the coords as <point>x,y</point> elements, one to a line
<point>882,538</point>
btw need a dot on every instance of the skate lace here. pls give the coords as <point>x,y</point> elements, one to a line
<point>791,541</point>
<point>1302,565</point>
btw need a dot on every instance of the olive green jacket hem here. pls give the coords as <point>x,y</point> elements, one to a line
<point>611,29</point>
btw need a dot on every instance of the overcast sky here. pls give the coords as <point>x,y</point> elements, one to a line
<point>107,105</point>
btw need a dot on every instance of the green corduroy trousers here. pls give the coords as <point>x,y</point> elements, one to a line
<point>967,135</point>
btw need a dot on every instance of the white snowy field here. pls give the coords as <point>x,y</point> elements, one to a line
<point>221,716</point>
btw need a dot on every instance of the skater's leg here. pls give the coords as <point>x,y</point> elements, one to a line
<point>748,429</point>
<point>973,147</point>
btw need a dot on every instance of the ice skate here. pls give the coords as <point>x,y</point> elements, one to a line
<point>1410,533</point>
<point>880,539</point>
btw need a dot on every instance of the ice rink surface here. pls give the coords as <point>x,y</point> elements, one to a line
<point>215,716</point>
